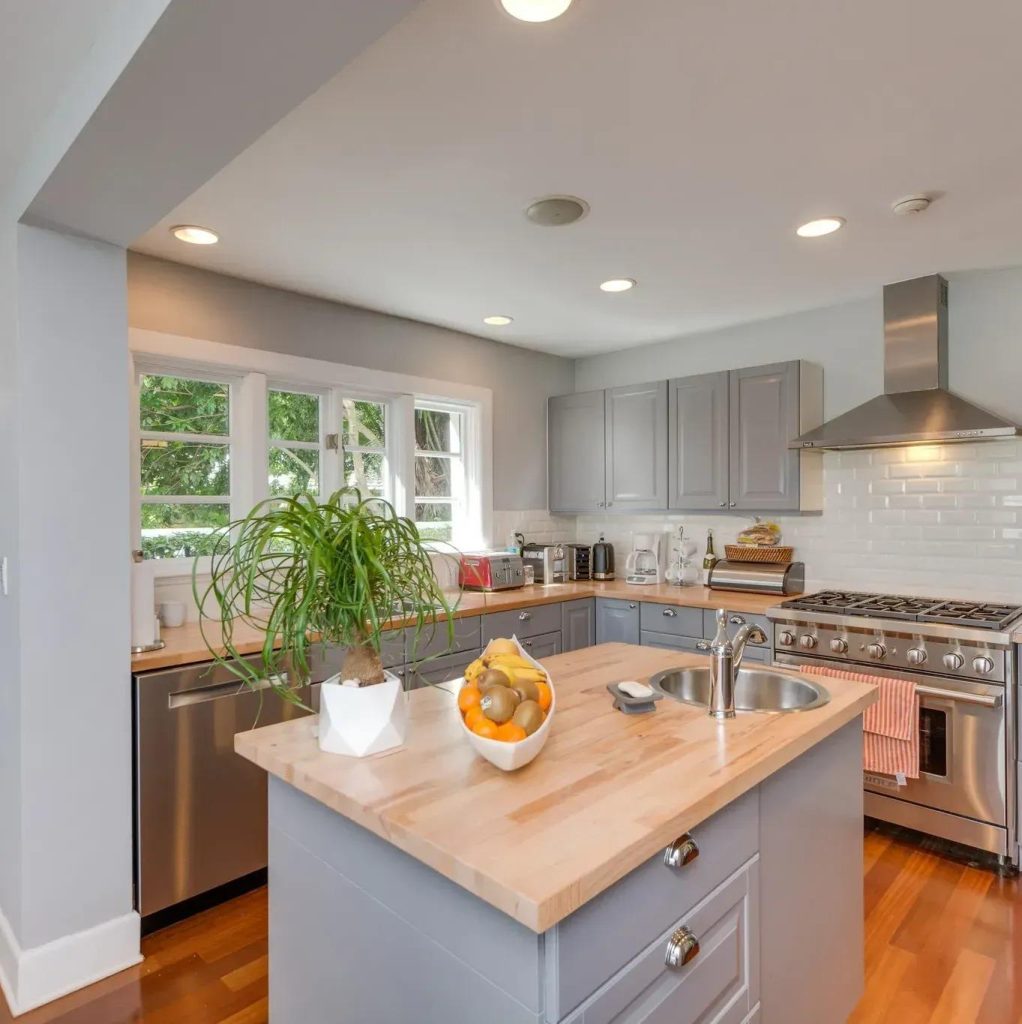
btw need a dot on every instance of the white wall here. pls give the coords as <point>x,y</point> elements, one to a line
<point>68,847</point>
<point>942,520</point>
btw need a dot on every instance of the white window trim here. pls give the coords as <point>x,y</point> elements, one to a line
<point>156,351</point>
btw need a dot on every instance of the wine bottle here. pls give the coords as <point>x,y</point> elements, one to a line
<point>709,559</point>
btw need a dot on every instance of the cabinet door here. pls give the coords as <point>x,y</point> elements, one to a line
<point>617,621</point>
<point>546,645</point>
<point>636,443</point>
<point>437,670</point>
<point>576,457</point>
<point>764,419</point>
<point>578,624</point>
<point>698,442</point>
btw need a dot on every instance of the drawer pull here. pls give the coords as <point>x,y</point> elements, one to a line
<point>682,948</point>
<point>670,613</point>
<point>524,616</point>
<point>681,852</point>
<point>631,604</point>
<point>526,643</point>
<point>736,620</point>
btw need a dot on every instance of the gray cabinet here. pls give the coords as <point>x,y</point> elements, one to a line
<point>576,457</point>
<point>546,645</point>
<point>636,446</point>
<point>437,670</point>
<point>764,419</point>
<point>617,621</point>
<point>578,624</point>
<point>522,622</point>
<point>729,437</point>
<point>698,449</point>
<point>608,450</point>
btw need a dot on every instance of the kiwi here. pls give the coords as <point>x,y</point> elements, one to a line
<point>493,677</point>
<point>526,689</point>
<point>529,715</point>
<point>499,704</point>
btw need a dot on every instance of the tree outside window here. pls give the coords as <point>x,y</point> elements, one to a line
<point>364,442</point>
<point>439,470</point>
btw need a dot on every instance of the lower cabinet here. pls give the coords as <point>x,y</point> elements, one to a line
<point>671,643</point>
<point>617,621</point>
<point>438,670</point>
<point>578,624</point>
<point>543,646</point>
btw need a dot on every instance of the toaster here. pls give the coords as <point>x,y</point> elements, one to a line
<point>491,570</point>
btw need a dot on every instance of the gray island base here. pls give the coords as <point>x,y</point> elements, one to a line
<point>362,933</point>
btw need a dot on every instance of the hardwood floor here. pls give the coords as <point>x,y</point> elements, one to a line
<point>943,946</point>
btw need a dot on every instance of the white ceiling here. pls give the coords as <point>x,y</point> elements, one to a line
<point>701,132</point>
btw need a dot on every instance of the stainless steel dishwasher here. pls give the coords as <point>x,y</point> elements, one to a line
<point>200,809</point>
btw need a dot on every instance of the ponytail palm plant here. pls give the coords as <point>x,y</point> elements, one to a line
<point>303,572</point>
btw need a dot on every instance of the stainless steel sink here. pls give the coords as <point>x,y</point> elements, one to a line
<point>756,689</point>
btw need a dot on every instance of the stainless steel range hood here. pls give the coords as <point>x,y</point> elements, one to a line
<point>916,406</point>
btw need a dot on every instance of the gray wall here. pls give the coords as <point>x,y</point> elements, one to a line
<point>176,299</point>
<point>71,582</point>
<point>847,340</point>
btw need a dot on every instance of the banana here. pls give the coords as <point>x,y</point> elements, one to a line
<point>511,660</point>
<point>475,670</point>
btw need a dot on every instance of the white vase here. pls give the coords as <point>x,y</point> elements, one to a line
<point>362,720</point>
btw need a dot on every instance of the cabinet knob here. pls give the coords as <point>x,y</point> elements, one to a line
<point>524,616</point>
<point>731,504</point>
<point>681,852</point>
<point>526,643</point>
<point>670,613</point>
<point>737,620</point>
<point>682,948</point>
<point>723,504</point>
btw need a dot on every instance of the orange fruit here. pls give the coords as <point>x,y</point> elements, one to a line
<point>509,732</point>
<point>468,697</point>
<point>546,695</point>
<point>473,716</point>
<point>484,727</point>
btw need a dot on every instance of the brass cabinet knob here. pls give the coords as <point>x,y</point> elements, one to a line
<point>682,948</point>
<point>681,852</point>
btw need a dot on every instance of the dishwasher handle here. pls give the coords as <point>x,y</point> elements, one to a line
<point>217,691</point>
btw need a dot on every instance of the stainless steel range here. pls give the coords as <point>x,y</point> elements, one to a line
<point>960,655</point>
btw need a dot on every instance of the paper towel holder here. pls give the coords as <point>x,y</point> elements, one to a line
<point>158,645</point>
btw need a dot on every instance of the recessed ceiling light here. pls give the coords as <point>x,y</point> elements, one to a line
<point>535,10</point>
<point>194,235</point>
<point>618,284</point>
<point>498,321</point>
<point>823,226</point>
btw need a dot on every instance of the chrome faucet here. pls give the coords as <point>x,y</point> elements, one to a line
<point>725,660</point>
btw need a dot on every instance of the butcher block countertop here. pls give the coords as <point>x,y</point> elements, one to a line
<point>185,645</point>
<point>607,792</point>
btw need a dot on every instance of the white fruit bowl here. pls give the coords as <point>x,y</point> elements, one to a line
<point>509,757</point>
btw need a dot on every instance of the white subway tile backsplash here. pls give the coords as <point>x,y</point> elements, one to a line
<point>938,521</point>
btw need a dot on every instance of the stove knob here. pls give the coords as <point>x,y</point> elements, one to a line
<point>983,666</point>
<point>876,651</point>
<point>786,639</point>
<point>916,656</point>
<point>807,641</point>
<point>839,645</point>
<point>953,662</point>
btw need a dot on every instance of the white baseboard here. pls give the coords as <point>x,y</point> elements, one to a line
<point>32,977</point>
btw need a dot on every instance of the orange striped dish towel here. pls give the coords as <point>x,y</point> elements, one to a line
<point>890,738</point>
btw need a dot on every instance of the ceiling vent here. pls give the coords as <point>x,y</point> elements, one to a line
<point>557,211</point>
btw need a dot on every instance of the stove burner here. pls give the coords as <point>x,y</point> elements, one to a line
<point>979,615</point>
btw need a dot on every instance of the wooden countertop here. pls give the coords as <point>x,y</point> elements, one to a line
<point>185,645</point>
<point>607,792</point>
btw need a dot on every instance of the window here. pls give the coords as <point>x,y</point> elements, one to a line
<point>364,443</point>
<point>295,443</point>
<point>185,459</point>
<point>440,483</point>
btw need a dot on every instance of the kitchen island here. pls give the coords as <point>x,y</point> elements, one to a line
<point>426,885</point>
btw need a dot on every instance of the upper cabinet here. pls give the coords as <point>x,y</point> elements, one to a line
<point>576,459</point>
<point>636,443</point>
<point>715,442</point>
<point>608,450</point>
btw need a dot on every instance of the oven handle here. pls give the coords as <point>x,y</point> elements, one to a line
<point>984,700</point>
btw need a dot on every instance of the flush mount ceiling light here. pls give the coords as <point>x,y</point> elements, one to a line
<point>194,235</point>
<point>556,211</point>
<point>535,10</point>
<point>498,321</point>
<point>618,284</point>
<point>823,226</point>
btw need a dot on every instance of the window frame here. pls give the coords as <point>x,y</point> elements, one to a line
<point>459,497</point>
<point>327,479</point>
<point>254,372</point>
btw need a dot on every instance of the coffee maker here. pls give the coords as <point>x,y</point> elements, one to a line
<point>645,562</point>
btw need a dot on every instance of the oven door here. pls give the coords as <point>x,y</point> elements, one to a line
<point>962,748</point>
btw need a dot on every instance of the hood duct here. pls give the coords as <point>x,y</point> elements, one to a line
<point>916,406</point>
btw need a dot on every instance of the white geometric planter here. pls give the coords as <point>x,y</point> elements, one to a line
<point>362,720</point>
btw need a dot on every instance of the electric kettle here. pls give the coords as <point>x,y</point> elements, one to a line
<point>603,560</point>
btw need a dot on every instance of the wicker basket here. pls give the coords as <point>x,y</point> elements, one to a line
<point>758,553</point>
